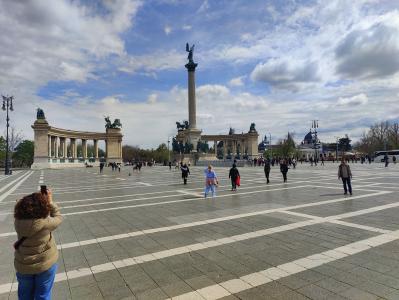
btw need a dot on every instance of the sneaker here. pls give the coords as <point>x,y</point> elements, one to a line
<point>351,194</point>
<point>345,193</point>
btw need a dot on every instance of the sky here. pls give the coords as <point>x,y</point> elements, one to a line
<point>278,64</point>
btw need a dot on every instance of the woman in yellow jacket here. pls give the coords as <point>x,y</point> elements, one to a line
<point>36,254</point>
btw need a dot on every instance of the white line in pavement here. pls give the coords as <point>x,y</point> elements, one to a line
<point>144,183</point>
<point>215,220</point>
<point>186,192</point>
<point>151,198</point>
<point>297,265</point>
<point>4,177</point>
<point>164,192</point>
<point>11,183</point>
<point>20,181</point>
<point>174,201</point>
<point>348,224</point>
<point>255,279</point>
<point>191,224</point>
<point>364,227</point>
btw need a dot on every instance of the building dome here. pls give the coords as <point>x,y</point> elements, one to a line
<point>308,138</point>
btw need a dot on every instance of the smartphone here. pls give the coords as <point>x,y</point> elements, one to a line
<point>43,189</point>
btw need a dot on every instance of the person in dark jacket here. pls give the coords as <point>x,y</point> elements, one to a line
<point>184,172</point>
<point>344,172</point>
<point>233,175</point>
<point>267,170</point>
<point>284,169</point>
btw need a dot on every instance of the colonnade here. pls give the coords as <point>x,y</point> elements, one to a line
<point>235,146</point>
<point>58,148</point>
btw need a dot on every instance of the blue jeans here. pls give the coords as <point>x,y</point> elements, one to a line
<point>210,188</point>
<point>36,286</point>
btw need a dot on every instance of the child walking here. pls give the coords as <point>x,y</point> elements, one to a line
<point>211,181</point>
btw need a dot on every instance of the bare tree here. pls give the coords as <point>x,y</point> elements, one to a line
<point>14,138</point>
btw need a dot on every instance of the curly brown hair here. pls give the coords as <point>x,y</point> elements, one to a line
<point>33,206</point>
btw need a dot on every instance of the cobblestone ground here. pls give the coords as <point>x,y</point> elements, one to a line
<point>148,236</point>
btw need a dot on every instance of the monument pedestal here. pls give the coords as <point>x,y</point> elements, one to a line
<point>193,136</point>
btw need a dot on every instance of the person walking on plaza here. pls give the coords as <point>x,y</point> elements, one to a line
<point>184,173</point>
<point>211,181</point>
<point>344,172</point>
<point>170,166</point>
<point>234,175</point>
<point>322,160</point>
<point>36,254</point>
<point>394,160</point>
<point>101,167</point>
<point>386,159</point>
<point>284,169</point>
<point>267,170</point>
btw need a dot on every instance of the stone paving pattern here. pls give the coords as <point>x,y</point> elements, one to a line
<point>148,236</point>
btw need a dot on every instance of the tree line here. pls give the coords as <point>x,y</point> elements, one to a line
<point>135,153</point>
<point>380,136</point>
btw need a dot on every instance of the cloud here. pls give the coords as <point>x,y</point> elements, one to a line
<point>286,73</point>
<point>369,53</point>
<point>157,61</point>
<point>186,27</point>
<point>167,29</point>
<point>237,81</point>
<point>204,7</point>
<point>360,99</point>
<point>152,98</point>
<point>59,40</point>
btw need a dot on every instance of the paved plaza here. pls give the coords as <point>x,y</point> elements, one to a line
<point>148,236</point>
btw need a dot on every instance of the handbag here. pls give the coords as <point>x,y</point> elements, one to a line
<point>238,181</point>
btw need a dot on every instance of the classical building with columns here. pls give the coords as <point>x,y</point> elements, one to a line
<point>51,145</point>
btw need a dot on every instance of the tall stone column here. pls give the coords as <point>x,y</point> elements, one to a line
<point>224,149</point>
<point>216,148</point>
<point>52,147</point>
<point>56,147</point>
<point>65,151</point>
<point>84,148</point>
<point>192,133</point>
<point>96,149</point>
<point>192,113</point>
<point>49,146</point>
<point>73,148</point>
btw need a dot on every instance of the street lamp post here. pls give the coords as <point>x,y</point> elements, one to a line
<point>270,144</point>
<point>7,105</point>
<point>336,151</point>
<point>315,125</point>
<point>168,150</point>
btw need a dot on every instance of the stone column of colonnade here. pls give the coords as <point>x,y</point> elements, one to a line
<point>84,148</point>
<point>56,147</point>
<point>216,148</point>
<point>64,148</point>
<point>52,149</point>
<point>73,148</point>
<point>49,146</point>
<point>96,149</point>
<point>224,149</point>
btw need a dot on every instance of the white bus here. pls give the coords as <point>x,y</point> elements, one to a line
<point>379,155</point>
